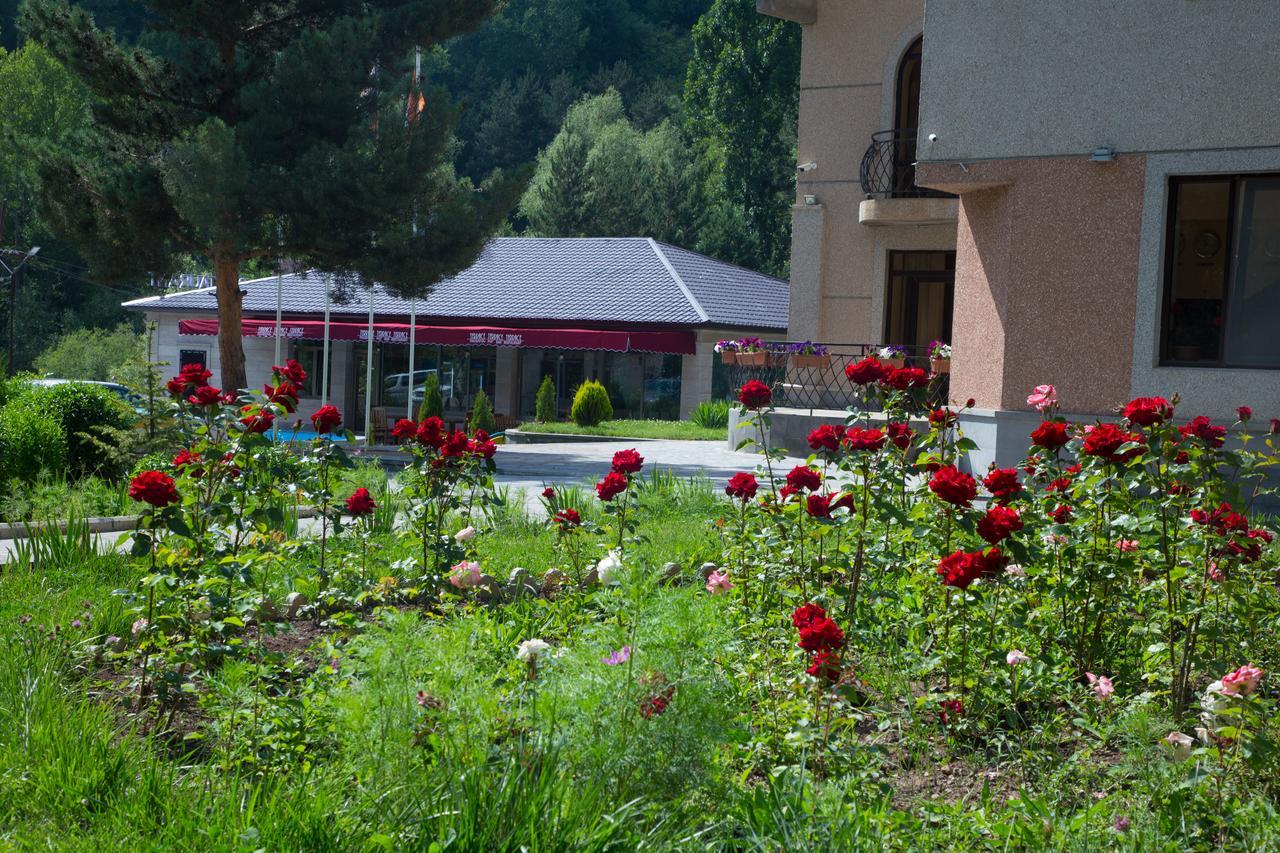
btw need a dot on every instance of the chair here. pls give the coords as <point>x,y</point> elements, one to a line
<point>379,425</point>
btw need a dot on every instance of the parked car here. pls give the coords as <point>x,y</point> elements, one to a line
<point>127,395</point>
<point>395,388</point>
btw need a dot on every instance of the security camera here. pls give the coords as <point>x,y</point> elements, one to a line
<point>933,137</point>
<point>806,167</point>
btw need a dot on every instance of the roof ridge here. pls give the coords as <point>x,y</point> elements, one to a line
<point>703,316</point>
<point>716,260</point>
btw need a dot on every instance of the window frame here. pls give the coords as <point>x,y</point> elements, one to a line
<point>1172,185</point>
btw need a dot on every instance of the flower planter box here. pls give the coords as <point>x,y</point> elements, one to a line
<point>753,359</point>
<point>815,362</point>
<point>728,357</point>
<point>940,365</point>
<point>897,362</point>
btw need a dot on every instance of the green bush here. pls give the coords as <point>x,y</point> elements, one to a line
<point>432,399</point>
<point>92,420</point>
<point>99,355</point>
<point>544,405</point>
<point>712,414</point>
<point>31,442</point>
<point>482,413</point>
<point>591,404</point>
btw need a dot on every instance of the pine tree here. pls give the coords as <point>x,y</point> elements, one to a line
<point>544,404</point>
<point>559,206</point>
<point>265,129</point>
<point>432,399</point>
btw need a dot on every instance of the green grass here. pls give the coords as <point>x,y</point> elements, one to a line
<point>679,430</point>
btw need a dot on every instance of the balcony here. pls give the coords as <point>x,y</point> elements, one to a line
<point>888,176</point>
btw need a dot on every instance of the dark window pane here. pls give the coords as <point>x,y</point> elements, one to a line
<point>1198,264</point>
<point>1253,312</point>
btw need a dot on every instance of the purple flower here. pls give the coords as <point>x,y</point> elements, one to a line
<point>75,623</point>
<point>622,655</point>
<point>1122,823</point>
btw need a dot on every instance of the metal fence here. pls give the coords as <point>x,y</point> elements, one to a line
<point>888,168</point>
<point>801,382</point>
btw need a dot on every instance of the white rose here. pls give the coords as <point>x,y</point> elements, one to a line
<point>609,569</point>
<point>531,649</point>
<point>1180,744</point>
<point>466,534</point>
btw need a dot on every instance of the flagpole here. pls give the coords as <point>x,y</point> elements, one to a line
<point>324,389</point>
<point>279,299</point>
<point>368,380</point>
<point>413,340</point>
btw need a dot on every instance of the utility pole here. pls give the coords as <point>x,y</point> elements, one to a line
<point>14,269</point>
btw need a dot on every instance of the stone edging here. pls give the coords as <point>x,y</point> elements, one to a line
<point>108,524</point>
<point>515,436</point>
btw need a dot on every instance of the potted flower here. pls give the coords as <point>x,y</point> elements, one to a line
<point>940,357</point>
<point>751,352</point>
<point>893,355</point>
<point>728,351</point>
<point>808,354</point>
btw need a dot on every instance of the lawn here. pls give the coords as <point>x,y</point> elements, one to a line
<point>844,657</point>
<point>681,430</point>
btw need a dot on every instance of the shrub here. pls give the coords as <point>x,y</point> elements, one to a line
<point>482,413</point>
<point>544,405</point>
<point>591,405</point>
<point>92,420</point>
<point>712,414</point>
<point>99,355</point>
<point>432,399</point>
<point>31,441</point>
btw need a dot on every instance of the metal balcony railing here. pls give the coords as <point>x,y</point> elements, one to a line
<point>800,382</point>
<point>889,167</point>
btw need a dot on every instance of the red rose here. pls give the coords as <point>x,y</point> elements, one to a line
<point>628,462</point>
<point>611,486</point>
<point>866,372</point>
<point>864,439</point>
<point>1275,426</point>
<point>1002,483</point>
<point>998,523</point>
<point>953,486</point>
<point>1148,411</point>
<point>755,395</point>
<point>455,445</point>
<point>292,371</point>
<point>942,418</point>
<point>187,459</point>
<point>655,705</point>
<point>1050,435</point>
<point>1105,441</point>
<point>404,430</point>
<point>742,486</point>
<point>806,614</point>
<point>784,494</point>
<point>1060,513</point>
<point>905,378</point>
<point>155,488</point>
<point>205,395</point>
<point>431,432</point>
<point>1244,413</point>
<point>360,503</point>
<point>901,435</point>
<point>1203,429</point>
<point>326,419</point>
<point>481,446</point>
<point>194,375</point>
<point>284,395</point>
<point>567,518</point>
<point>1223,520</point>
<point>259,421</point>
<point>961,569</point>
<point>826,437</point>
<point>549,493</point>
<point>818,506</point>
<point>803,477</point>
<point>825,666</point>
<point>950,710</point>
<point>821,634</point>
<point>845,500</point>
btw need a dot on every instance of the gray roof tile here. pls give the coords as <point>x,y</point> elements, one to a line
<point>586,280</point>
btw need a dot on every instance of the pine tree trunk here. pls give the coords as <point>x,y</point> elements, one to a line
<point>226,273</point>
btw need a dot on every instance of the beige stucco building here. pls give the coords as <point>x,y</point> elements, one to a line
<point>1082,193</point>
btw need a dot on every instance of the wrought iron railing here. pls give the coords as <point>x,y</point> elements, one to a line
<point>889,167</point>
<point>801,382</point>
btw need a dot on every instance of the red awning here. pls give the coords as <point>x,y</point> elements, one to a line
<point>676,343</point>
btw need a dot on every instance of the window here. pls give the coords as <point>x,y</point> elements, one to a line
<point>918,299</point>
<point>311,357</point>
<point>192,356</point>
<point>1222,272</point>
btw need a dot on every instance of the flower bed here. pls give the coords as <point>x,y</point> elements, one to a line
<point>875,647</point>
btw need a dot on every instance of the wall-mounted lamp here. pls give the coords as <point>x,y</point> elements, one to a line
<point>810,200</point>
<point>1103,154</point>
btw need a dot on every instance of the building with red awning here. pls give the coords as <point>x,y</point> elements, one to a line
<point>638,315</point>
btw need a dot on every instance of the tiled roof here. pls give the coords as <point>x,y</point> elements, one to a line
<point>581,280</point>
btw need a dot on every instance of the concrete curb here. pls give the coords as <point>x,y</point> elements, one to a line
<point>109,524</point>
<point>515,436</point>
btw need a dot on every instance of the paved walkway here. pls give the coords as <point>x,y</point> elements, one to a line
<point>532,467</point>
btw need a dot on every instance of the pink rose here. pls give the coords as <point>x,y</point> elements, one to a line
<point>1127,546</point>
<point>1016,657</point>
<point>466,575</point>
<point>1043,398</point>
<point>1101,686</point>
<point>718,583</point>
<point>1242,682</point>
